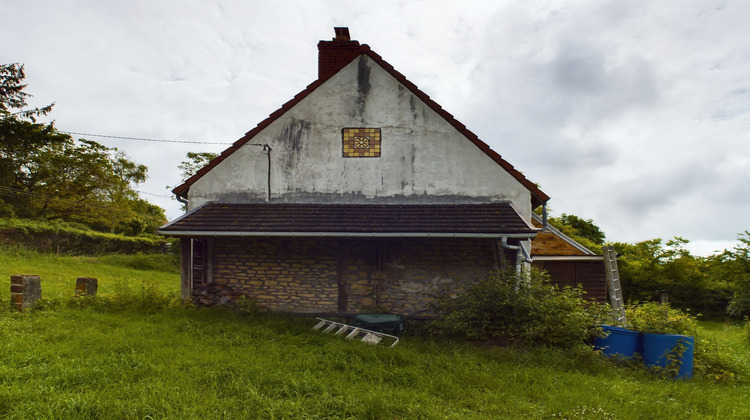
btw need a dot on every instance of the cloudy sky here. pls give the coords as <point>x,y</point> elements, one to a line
<point>635,114</point>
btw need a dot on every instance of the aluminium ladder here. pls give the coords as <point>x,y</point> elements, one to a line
<point>352,332</point>
<point>614,285</point>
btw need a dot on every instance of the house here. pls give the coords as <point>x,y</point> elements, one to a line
<point>359,192</point>
<point>567,262</point>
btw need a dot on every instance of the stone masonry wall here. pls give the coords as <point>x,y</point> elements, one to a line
<point>402,276</point>
<point>300,275</point>
<point>294,275</point>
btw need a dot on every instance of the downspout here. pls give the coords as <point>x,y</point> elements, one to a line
<point>181,200</point>
<point>522,255</point>
<point>267,147</point>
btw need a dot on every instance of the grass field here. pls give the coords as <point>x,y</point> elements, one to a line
<point>58,273</point>
<point>155,358</point>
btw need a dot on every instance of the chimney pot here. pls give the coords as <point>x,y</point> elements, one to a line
<point>342,34</point>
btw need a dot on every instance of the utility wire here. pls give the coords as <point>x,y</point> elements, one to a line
<point>140,138</point>
<point>155,195</point>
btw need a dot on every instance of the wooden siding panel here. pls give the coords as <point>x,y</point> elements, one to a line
<point>547,243</point>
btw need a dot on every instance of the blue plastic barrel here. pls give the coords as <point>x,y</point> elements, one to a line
<point>619,342</point>
<point>660,349</point>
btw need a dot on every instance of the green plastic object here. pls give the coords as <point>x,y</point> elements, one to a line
<point>386,323</point>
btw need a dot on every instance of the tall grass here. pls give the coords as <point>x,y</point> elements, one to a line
<point>182,362</point>
<point>58,273</point>
<point>135,352</point>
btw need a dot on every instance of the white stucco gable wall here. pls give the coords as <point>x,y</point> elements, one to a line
<point>423,158</point>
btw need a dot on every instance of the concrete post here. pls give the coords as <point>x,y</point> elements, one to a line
<point>86,286</point>
<point>25,291</point>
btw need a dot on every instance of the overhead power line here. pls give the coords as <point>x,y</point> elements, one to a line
<point>140,138</point>
<point>155,195</point>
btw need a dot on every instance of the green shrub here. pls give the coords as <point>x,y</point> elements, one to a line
<point>711,360</point>
<point>655,318</point>
<point>519,308</point>
<point>717,362</point>
<point>62,237</point>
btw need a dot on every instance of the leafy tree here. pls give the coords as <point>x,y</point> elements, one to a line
<point>22,139</point>
<point>704,285</point>
<point>582,231</point>
<point>733,268</point>
<point>194,162</point>
<point>649,267</point>
<point>585,232</point>
<point>12,96</point>
<point>46,174</point>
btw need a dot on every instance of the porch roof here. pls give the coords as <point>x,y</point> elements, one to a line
<point>344,220</point>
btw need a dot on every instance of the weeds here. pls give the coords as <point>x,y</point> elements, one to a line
<point>657,318</point>
<point>712,360</point>
<point>519,308</point>
<point>183,362</point>
<point>145,298</point>
<point>135,351</point>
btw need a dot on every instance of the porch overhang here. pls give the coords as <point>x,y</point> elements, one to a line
<point>480,221</point>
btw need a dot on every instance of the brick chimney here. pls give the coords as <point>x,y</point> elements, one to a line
<point>334,55</point>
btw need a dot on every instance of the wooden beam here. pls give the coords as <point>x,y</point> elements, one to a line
<point>210,242</point>
<point>186,269</point>
<point>341,276</point>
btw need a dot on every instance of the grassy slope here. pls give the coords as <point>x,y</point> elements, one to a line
<point>173,362</point>
<point>58,273</point>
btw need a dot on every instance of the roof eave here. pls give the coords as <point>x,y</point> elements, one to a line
<point>456,235</point>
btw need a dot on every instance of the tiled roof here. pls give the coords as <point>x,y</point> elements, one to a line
<point>538,196</point>
<point>472,220</point>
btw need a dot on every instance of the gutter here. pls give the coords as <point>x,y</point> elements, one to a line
<point>502,236</point>
<point>596,258</point>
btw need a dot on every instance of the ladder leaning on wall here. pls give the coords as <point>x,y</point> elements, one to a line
<point>614,285</point>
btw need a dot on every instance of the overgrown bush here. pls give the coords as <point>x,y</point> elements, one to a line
<point>718,362</point>
<point>519,308</point>
<point>62,237</point>
<point>656,318</point>
<point>712,360</point>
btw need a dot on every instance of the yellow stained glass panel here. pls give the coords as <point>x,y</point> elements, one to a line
<point>360,142</point>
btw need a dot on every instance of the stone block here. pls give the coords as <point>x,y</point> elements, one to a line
<point>26,290</point>
<point>86,286</point>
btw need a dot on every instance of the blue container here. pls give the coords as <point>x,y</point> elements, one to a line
<point>619,342</point>
<point>661,349</point>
